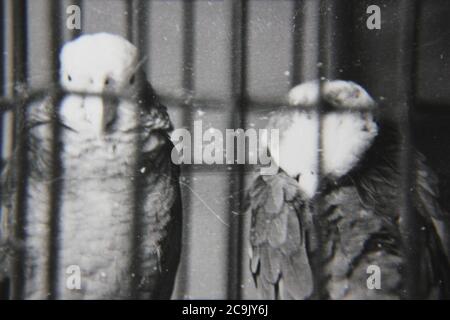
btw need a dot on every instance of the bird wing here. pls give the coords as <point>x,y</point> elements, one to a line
<point>7,187</point>
<point>354,239</point>
<point>378,184</point>
<point>158,186</point>
<point>279,261</point>
<point>435,225</point>
<point>427,190</point>
<point>162,217</point>
<point>7,190</point>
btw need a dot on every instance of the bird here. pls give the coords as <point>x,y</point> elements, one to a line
<point>116,198</point>
<point>330,214</point>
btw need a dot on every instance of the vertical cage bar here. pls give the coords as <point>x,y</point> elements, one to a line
<point>136,222</point>
<point>333,60</point>
<point>138,26</point>
<point>318,256</point>
<point>137,29</point>
<point>188,89</point>
<point>55,26</point>
<point>238,78</point>
<point>299,15</point>
<point>338,35</point>
<point>54,32</point>
<point>16,74</point>
<point>305,34</point>
<point>2,93</point>
<point>406,73</point>
<point>4,284</point>
<point>188,48</point>
<point>133,34</point>
<point>130,20</point>
<point>309,53</point>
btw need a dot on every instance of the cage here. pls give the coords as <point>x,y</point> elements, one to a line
<point>228,64</point>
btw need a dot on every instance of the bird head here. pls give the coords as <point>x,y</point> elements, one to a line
<point>329,141</point>
<point>97,68</point>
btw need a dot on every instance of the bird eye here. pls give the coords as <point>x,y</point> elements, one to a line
<point>69,77</point>
<point>132,80</point>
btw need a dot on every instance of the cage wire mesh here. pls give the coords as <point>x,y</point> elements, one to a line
<point>228,63</point>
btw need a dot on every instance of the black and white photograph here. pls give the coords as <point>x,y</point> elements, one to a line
<point>238,150</point>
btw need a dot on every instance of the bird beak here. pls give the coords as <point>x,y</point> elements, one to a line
<point>99,113</point>
<point>308,183</point>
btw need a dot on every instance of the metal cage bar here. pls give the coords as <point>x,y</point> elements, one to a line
<point>238,78</point>
<point>16,48</point>
<point>323,68</point>
<point>187,84</point>
<point>336,42</point>
<point>133,34</point>
<point>55,38</point>
<point>137,25</point>
<point>298,18</point>
<point>406,72</point>
<point>2,91</point>
<point>4,285</point>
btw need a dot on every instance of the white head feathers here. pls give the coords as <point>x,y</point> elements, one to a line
<point>338,93</point>
<point>346,133</point>
<point>95,64</point>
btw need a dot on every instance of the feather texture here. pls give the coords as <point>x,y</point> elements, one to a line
<point>118,198</point>
<point>319,240</point>
<point>279,262</point>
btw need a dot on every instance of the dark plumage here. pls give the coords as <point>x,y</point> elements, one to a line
<point>320,247</point>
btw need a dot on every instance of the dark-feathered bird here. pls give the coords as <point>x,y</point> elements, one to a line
<point>118,199</point>
<point>317,237</point>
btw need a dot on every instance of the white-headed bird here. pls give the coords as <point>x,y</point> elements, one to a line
<point>117,205</point>
<point>329,219</point>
